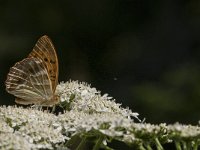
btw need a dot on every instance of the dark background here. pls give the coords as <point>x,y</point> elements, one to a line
<point>144,53</point>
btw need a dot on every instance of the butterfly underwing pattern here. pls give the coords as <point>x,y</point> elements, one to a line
<point>34,79</point>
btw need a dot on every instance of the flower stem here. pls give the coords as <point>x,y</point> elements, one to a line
<point>98,143</point>
<point>184,146</point>
<point>141,147</point>
<point>148,147</point>
<point>82,143</point>
<point>178,146</point>
<point>158,145</point>
<point>195,146</point>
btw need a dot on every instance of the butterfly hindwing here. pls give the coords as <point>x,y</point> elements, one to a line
<point>28,80</point>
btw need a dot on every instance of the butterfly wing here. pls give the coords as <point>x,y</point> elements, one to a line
<point>45,51</point>
<point>28,80</point>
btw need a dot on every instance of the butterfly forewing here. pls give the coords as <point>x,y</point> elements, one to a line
<point>45,51</point>
<point>29,81</point>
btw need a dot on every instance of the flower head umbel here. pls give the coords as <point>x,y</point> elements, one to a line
<point>87,115</point>
<point>109,124</point>
<point>86,112</point>
<point>179,131</point>
<point>14,141</point>
<point>36,129</point>
<point>16,116</point>
<point>82,97</point>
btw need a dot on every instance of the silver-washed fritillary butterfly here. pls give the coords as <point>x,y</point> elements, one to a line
<point>34,79</point>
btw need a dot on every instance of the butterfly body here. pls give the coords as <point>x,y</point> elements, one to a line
<point>34,79</point>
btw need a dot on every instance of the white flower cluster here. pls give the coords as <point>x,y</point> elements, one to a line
<point>38,129</point>
<point>149,133</point>
<point>4,127</point>
<point>14,141</point>
<point>82,97</point>
<point>16,116</point>
<point>90,113</point>
<point>180,131</point>
<point>109,124</point>
<point>150,129</point>
<point>34,128</point>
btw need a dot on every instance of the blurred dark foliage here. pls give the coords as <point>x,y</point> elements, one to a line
<point>144,53</point>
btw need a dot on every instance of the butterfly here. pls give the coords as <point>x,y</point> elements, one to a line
<point>34,79</point>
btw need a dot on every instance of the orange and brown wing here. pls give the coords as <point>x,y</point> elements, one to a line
<point>45,51</point>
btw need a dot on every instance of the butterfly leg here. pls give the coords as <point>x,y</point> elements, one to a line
<point>38,107</point>
<point>53,108</point>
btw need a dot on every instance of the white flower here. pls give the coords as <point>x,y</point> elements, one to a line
<point>89,111</point>
<point>42,134</point>
<point>17,116</point>
<point>14,141</point>
<point>4,127</point>
<point>184,131</point>
<point>82,97</point>
<point>110,124</point>
<point>37,128</point>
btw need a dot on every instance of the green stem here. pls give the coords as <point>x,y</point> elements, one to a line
<point>98,143</point>
<point>184,146</point>
<point>141,147</point>
<point>195,146</point>
<point>178,145</point>
<point>190,145</point>
<point>82,143</point>
<point>158,145</point>
<point>107,148</point>
<point>148,147</point>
